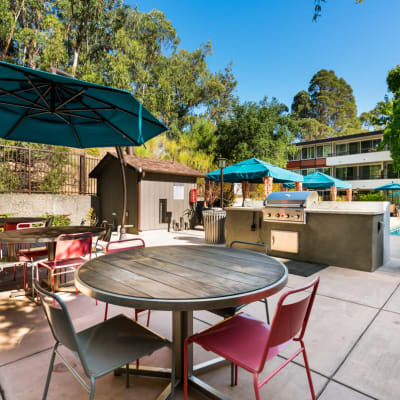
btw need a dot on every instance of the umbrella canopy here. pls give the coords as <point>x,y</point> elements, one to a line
<point>253,170</point>
<point>390,186</point>
<point>40,107</point>
<point>318,180</point>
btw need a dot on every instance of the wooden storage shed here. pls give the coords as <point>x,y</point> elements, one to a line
<point>155,187</point>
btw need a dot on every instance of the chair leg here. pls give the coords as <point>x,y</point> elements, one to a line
<point>106,312</point>
<point>53,356</point>
<point>92,387</point>
<point>24,276</point>
<point>256,388</point>
<point>185,371</point>
<point>266,310</point>
<point>173,356</point>
<point>232,374</point>
<point>127,375</point>
<point>308,371</point>
<point>15,271</point>
<point>236,374</point>
<point>148,318</point>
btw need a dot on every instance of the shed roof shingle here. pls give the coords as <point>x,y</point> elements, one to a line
<point>153,165</point>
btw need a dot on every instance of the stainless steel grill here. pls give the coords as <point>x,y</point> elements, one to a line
<point>289,207</point>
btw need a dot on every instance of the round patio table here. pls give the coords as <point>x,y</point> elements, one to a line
<point>47,235</point>
<point>182,279</point>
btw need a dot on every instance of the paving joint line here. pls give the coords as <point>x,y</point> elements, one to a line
<point>331,378</point>
<point>25,357</point>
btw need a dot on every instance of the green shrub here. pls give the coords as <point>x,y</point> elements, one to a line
<point>371,197</point>
<point>59,219</point>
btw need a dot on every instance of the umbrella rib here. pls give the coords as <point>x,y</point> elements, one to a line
<point>20,90</point>
<point>80,116</point>
<point>123,110</point>
<point>37,90</point>
<point>110,124</point>
<point>7,103</point>
<point>21,98</point>
<point>71,98</point>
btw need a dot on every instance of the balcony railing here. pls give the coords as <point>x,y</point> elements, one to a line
<point>366,177</point>
<point>348,153</point>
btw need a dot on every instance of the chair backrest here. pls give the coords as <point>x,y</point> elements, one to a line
<point>49,221</point>
<point>127,244</point>
<point>10,226</point>
<point>291,319</point>
<point>73,245</point>
<point>60,322</point>
<point>27,225</point>
<point>106,237</point>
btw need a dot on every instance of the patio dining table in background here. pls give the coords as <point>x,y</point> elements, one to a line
<point>20,220</point>
<point>182,279</point>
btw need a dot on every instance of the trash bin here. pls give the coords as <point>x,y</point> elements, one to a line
<point>214,225</point>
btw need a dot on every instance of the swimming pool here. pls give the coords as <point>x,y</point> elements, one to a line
<point>395,231</point>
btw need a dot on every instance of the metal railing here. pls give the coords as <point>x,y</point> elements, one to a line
<point>30,170</point>
<point>366,177</point>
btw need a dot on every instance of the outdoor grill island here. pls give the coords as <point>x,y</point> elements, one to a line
<point>295,225</point>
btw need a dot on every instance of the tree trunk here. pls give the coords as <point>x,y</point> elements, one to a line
<point>75,63</point>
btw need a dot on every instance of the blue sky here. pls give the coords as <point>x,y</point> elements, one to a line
<point>276,48</point>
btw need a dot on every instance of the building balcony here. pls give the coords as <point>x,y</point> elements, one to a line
<point>361,158</point>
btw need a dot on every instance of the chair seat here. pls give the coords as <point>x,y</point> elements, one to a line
<point>228,311</point>
<point>116,342</point>
<point>34,252</point>
<point>71,262</point>
<point>240,339</point>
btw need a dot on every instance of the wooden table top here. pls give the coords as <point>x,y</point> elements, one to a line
<point>181,278</point>
<point>45,235</point>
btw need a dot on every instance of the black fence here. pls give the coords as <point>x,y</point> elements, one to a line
<point>30,170</point>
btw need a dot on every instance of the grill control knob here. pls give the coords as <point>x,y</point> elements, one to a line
<point>297,216</point>
<point>286,215</point>
<point>278,215</point>
<point>269,214</point>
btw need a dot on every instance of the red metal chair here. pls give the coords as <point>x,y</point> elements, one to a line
<point>69,254</point>
<point>126,246</point>
<point>25,255</point>
<point>249,343</point>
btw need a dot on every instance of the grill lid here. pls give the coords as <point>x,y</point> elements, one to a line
<point>304,199</point>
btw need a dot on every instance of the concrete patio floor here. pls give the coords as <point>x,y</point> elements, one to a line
<point>352,341</point>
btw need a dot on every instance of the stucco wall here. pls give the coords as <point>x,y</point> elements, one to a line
<point>35,205</point>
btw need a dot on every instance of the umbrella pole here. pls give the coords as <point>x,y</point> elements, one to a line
<point>122,234</point>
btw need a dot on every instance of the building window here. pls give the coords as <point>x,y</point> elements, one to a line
<point>341,149</point>
<point>307,153</point>
<point>346,173</point>
<point>323,151</point>
<point>294,157</point>
<point>390,174</point>
<point>325,170</point>
<point>162,219</point>
<point>370,172</point>
<point>341,173</point>
<point>354,148</point>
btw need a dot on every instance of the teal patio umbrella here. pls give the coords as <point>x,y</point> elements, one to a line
<point>42,107</point>
<point>390,186</point>
<point>253,170</point>
<point>318,180</point>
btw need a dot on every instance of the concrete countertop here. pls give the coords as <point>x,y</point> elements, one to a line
<point>314,210</point>
<point>338,211</point>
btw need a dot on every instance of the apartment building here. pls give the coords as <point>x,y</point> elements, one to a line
<point>353,158</point>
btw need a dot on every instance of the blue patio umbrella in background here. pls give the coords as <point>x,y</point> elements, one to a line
<point>42,107</point>
<point>253,170</point>
<point>318,180</point>
<point>390,186</point>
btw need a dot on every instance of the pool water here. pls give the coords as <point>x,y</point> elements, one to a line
<point>395,231</point>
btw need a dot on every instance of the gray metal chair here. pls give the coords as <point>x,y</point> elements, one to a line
<point>231,311</point>
<point>101,348</point>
